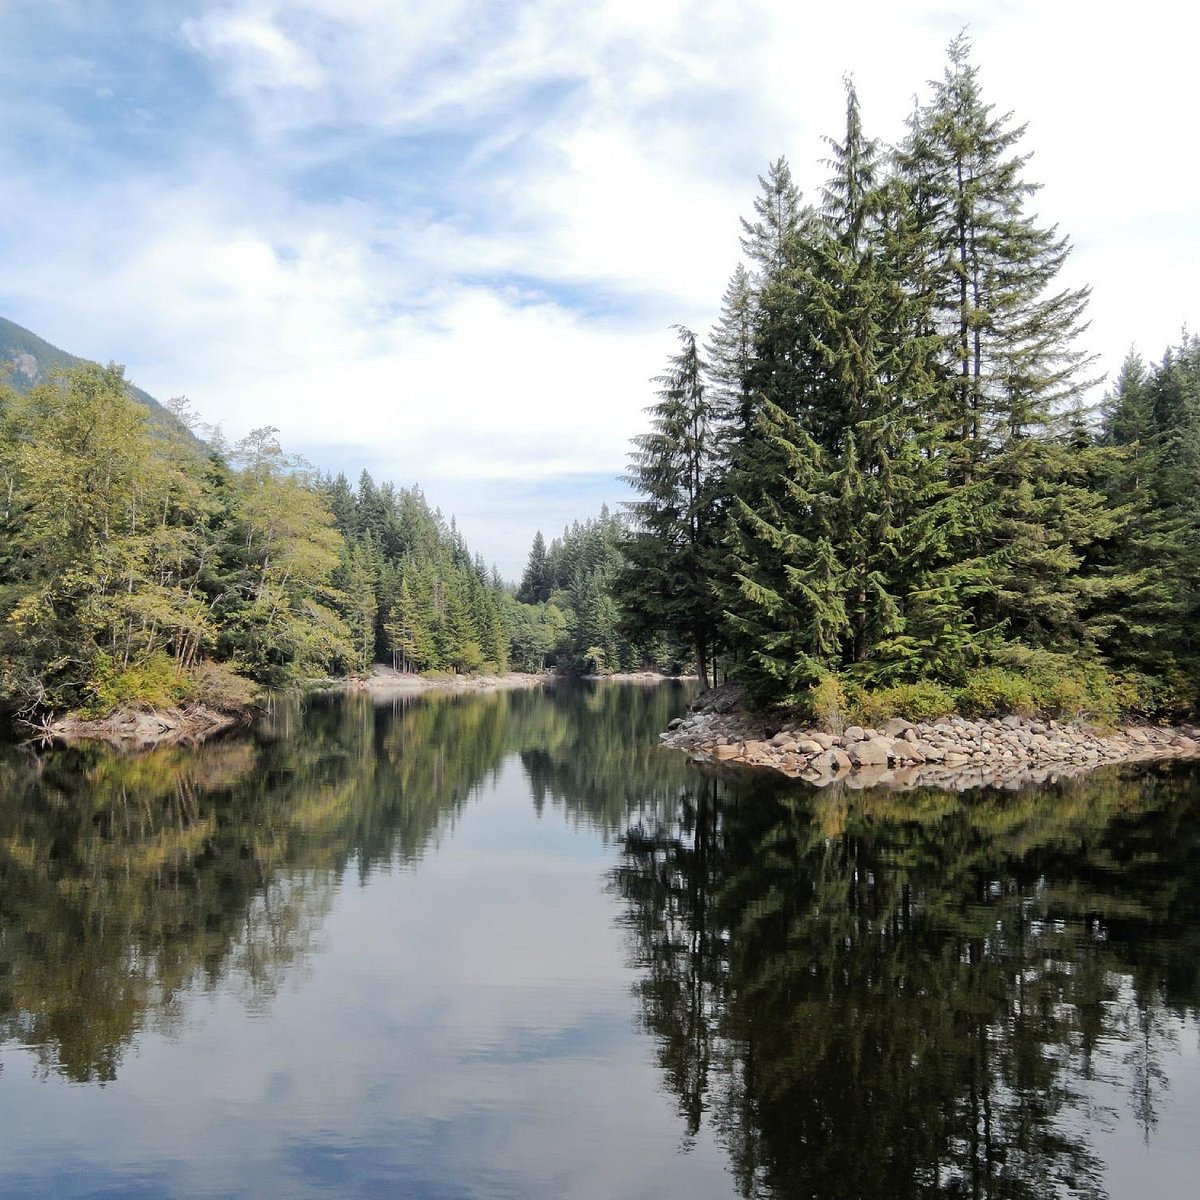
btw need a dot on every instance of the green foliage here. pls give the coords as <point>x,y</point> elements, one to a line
<point>666,583</point>
<point>995,691</point>
<point>1037,681</point>
<point>154,682</point>
<point>581,628</point>
<point>409,589</point>
<point>216,686</point>
<point>827,703</point>
<point>920,701</point>
<point>132,562</point>
<point>901,482</point>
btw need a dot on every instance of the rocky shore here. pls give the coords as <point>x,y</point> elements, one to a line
<point>140,729</point>
<point>952,752</point>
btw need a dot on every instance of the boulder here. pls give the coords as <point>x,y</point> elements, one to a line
<point>896,727</point>
<point>873,753</point>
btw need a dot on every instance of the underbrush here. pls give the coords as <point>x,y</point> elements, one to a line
<point>1017,681</point>
<point>158,682</point>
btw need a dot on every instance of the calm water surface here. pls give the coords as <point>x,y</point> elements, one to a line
<point>503,945</point>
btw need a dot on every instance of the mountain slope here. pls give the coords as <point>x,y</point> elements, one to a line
<point>27,360</point>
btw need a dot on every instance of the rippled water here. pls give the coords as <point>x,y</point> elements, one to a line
<point>504,945</point>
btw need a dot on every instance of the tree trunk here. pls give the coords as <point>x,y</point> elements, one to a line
<point>702,659</point>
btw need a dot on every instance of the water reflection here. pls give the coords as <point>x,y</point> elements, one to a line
<point>846,994</point>
<point>906,994</point>
<point>125,881</point>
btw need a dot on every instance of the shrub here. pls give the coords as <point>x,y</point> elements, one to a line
<point>152,682</point>
<point>827,703</point>
<point>921,701</point>
<point>1065,685</point>
<point>218,687</point>
<point>994,691</point>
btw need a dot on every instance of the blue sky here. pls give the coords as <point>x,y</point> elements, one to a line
<point>447,241</point>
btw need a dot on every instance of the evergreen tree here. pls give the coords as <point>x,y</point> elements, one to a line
<point>667,583</point>
<point>535,583</point>
<point>1012,365</point>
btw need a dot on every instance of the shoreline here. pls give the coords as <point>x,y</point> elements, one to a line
<point>954,753</point>
<point>384,681</point>
<point>132,729</point>
<point>129,728</point>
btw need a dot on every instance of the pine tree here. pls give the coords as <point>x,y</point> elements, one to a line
<point>361,586</point>
<point>1153,419</point>
<point>784,585</point>
<point>729,354</point>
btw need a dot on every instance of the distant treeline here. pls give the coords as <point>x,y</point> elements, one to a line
<point>879,474</point>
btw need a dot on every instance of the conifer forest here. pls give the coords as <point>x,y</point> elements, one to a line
<point>883,472</point>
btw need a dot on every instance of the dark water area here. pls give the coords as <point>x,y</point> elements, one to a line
<point>504,945</point>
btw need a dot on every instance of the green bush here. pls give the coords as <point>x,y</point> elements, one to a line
<point>218,687</point>
<point>153,682</point>
<point>922,701</point>
<point>1168,694</point>
<point>995,691</point>
<point>827,703</point>
<point>1066,685</point>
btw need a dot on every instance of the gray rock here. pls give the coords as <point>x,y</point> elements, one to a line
<point>870,754</point>
<point>808,746</point>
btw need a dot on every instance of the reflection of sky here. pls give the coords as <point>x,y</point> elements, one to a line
<point>1164,1153</point>
<point>467,1030</point>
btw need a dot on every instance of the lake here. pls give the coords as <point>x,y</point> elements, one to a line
<point>503,945</point>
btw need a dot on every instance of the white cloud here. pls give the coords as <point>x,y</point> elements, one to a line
<point>256,53</point>
<point>456,233</point>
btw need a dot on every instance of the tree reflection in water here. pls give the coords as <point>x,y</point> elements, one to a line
<point>127,881</point>
<point>859,993</point>
<point>911,994</point>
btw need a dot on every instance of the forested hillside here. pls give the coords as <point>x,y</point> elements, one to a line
<point>139,563</point>
<point>879,472</point>
<point>27,360</point>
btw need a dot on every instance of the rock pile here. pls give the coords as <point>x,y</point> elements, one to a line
<point>952,752</point>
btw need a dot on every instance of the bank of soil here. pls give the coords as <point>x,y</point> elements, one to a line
<point>952,752</point>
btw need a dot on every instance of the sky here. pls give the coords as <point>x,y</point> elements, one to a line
<point>446,240</point>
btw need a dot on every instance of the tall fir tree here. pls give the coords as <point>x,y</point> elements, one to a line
<point>667,583</point>
<point>1013,368</point>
